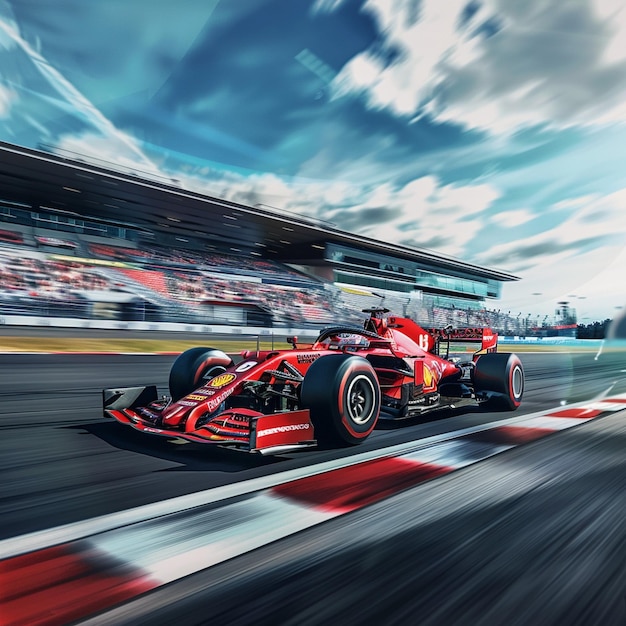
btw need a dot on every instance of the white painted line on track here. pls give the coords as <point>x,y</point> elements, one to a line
<point>553,423</point>
<point>170,549</point>
<point>608,406</point>
<point>457,454</point>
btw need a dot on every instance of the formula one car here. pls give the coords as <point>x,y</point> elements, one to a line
<point>332,392</point>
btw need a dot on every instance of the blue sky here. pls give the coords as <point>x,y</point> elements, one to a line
<point>489,131</point>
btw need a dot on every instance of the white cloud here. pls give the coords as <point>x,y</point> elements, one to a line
<point>599,219</point>
<point>592,282</point>
<point>117,150</point>
<point>7,98</point>
<point>325,6</point>
<point>421,214</point>
<point>9,32</point>
<point>511,219</point>
<point>613,13</point>
<point>583,254</point>
<point>554,63</point>
<point>8,28</point>
<point>575,203</point>
<point>423,44</point>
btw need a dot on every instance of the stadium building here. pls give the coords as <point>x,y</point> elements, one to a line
<point>68,206</point>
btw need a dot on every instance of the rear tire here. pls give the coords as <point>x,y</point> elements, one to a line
<point>343,395</point>
<point>194,367</point>
<point>503,376</point>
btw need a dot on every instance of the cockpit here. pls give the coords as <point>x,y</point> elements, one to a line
<point>345,341</point>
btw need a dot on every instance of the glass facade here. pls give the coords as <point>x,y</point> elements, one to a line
<point>386,272</point>
<point>64,223</point>
<point>374,282</point>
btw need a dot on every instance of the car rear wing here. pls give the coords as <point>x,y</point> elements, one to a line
<point>485,336</point>
<point>430,339</point>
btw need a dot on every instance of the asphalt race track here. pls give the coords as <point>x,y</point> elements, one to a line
<point>533,535</point>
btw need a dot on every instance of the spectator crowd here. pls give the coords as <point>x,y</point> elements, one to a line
<point>187,281</point>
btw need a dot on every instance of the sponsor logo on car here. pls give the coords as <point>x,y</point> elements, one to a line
<point>197,397</point>
<point>214,403</point>
<point>221,381</point>
<point>306,358</point>
<point>428,376</point>
<point>282,429</point>
<point>458,333</point>
<point>152,430</point>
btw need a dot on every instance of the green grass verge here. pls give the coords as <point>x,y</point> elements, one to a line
<point>79,344</point>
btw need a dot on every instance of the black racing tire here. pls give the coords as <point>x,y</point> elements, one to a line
<point>194,367</point>
<point>503,375</point>
<point>343,396</point>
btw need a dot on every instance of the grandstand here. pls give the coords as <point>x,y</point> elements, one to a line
<point>38,283</point>
<point>88,288</point>
<point>182,256</point>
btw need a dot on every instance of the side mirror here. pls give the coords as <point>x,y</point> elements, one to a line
<point>293,340</point>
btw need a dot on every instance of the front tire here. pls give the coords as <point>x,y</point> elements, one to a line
<point>343,395</point>
<point>195,367</point>
<point>501,376</point>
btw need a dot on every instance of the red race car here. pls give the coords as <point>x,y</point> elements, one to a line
<point>331,393</point>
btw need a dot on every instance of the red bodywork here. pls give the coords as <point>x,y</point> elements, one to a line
<point>254,404</point>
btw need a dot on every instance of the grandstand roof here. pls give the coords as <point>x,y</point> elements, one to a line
<point>84,188</point>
